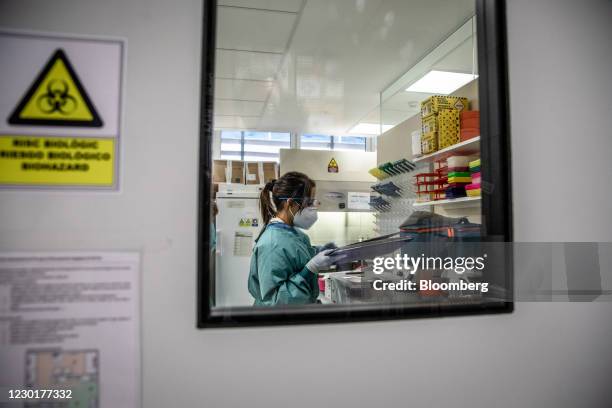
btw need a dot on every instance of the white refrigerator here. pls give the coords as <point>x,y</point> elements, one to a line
<point>238,224</point>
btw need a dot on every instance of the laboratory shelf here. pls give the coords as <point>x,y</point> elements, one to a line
<point>469,147</point>
<point>451,203</point>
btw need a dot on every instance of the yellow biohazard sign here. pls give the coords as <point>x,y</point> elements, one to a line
<point>56,98</point>
<point>332,167</point>
<point>70,161</point>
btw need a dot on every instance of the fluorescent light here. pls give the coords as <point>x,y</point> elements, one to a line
<point>369,129</point>
<point>441,82</point>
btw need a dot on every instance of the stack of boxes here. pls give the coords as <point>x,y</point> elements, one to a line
<point>458,176</point>
<point>473,189</point>
<point>470,125</point>
<point>440,118</point>
<point>240,172</point>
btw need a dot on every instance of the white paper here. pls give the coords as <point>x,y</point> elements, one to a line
<point>243,243</point>
<point>236,204</point>
<point>358,201</point>
<point>71,320</point>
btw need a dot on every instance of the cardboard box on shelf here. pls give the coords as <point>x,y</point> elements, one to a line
<point>435,103</point>
<point>448,127</point>
<point>219,171</point>
<point>444,120</point>
<point>270,171</point>
<point>228,171</point>
<point>260,172</point>
<point>467,134</point>
<point>252,175</point>
<point>429,142</point>
<point>470,119</point>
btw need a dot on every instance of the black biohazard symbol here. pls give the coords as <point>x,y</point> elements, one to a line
<point>57,98</point>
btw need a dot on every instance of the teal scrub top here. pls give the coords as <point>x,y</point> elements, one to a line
<point>278,274</point>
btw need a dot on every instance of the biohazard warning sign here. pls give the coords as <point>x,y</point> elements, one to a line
<point>56,161</point>
<point>332,167</point>
<point>56,98</point>
<point>60,111</point>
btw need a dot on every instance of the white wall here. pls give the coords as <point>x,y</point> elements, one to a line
<point>560,64</point>
<point>543,355</point>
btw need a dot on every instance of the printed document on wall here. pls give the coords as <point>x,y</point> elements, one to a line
<point>71,321</point>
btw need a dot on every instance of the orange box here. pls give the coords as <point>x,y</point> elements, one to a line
<point>467,134</point>
<point>470,119</point>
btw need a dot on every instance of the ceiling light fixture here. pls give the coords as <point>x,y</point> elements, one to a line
<point>441,82</point>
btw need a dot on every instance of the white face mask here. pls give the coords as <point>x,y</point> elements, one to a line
<point>305,218</point>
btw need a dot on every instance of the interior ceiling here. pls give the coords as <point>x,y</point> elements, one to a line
<point>318,66</point>
<point>404,104</point>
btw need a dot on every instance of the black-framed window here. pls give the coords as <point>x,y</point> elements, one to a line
<point>315,86</point>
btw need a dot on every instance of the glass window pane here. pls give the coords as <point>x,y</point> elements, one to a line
<point>265,146</point>
<point>349,75</point>
<point>230,134</point>
<point>256,136</point>
<point>282,137</point>
<point>351,139</point>
<point>356,143</point>
<point>231,145</point>
<point>230,156</point>
<point>316,142</point>
<point>253,145</point>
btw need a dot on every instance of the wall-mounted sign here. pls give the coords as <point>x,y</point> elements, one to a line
<point>248,222</point>
<point>56,98</point>
<point>332,167</point>
<point>60,110</point>
<point>358,201</point>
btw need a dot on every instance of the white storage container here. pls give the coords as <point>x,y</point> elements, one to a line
<point>416,143</point>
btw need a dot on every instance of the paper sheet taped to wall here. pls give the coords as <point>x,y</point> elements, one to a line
<point>71,320</point>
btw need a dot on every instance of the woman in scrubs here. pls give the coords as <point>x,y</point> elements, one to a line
<point>284,265</point>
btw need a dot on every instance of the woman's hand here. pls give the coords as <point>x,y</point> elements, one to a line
<point>322,261</point>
